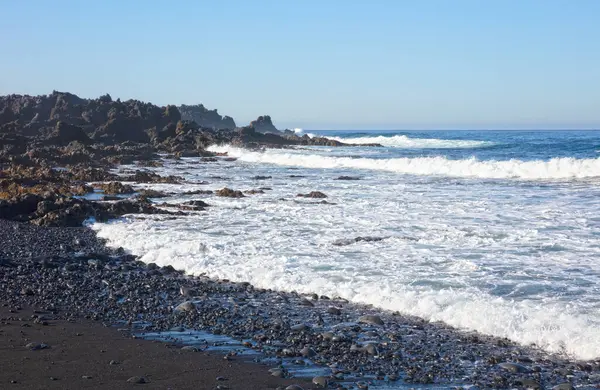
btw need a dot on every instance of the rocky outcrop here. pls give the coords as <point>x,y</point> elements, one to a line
<point>229,193</point>
<point>62,129</point>
<point>206,118</point>
<point>313,194</point>
<point>263,124</point>
<point>51,209</point>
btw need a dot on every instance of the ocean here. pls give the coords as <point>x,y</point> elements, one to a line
<point>492,231</point>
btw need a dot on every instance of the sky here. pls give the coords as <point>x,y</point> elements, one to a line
<point>319,64</point>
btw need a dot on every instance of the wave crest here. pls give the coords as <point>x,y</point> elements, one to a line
<point>556,168</point>
<point>402,141</point>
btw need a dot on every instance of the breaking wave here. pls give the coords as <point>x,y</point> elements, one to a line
<point>402,141</point>
<point>556,168</point>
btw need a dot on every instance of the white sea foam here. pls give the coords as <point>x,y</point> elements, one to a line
<point>267,261</point>
<point>402,141</point>
<point>512,259</point>
<point>556,168</point>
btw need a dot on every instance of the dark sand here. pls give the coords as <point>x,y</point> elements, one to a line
<point>86,348</point>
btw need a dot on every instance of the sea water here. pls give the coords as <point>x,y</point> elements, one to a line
<point>497,232</point>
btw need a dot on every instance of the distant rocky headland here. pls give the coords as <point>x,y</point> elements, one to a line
<point>64,128</point>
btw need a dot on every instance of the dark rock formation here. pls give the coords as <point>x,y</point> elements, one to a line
<point>263,124</point>
<point>206,118</point>
<point>313,194</point>
<point>229,193</point>
<point>115,188</point>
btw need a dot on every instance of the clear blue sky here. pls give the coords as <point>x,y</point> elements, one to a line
<point>319,64</point>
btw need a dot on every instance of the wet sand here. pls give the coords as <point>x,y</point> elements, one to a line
<point>80,353</point>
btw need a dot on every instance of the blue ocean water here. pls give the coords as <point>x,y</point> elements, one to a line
<point>493,231</point>
<point>496,145</point>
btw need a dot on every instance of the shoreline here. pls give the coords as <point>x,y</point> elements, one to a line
<point>50,262</point>
<point>349,343</point>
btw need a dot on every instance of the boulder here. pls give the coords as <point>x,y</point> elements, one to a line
<point>313,194</point>
<point>229,193</point>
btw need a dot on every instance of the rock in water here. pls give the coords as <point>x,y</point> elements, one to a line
<point>263,124</point>
<point>313,194</point>
<point>229,193</point>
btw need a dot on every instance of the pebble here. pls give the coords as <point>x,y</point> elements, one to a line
<point>320,381</point>
<point>294,387</point>
<point>137,379</point>
<point>371,319</point>
<point>306,302</point>
<point>327,335</point>
<point>186,306</point>
<point>530,384</point>
<point>189,348</point>
<point>278,372</point>
<point>513,367</point>
<point>307,352</point>
<point>371,349</point>
<point>300,327</point>
<point>334,311</point>
<point>564,386</point>
<point>36,346</point>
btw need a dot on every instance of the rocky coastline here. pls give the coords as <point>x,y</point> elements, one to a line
<point>58,153</point>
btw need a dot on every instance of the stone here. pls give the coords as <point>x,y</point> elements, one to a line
<point>36,346</point>
<point>513,367</point>
<point>229,193</point>
<point>371,319</point>
<point>307,352</point>
<point>529,384</point>
<point>320,381</point>
<point>371,349</point>
<point>306,302</point>
<point>564,386</point>
<point>278,372</point>
<point>137,380</point>
<point>334,311</point>
<point>313,194</point>
<point>189,348</point>
<point>300,328</point>
<point>186,306</point>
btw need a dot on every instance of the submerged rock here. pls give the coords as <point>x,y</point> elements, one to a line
<point>228,192</point>
<point>313,194</point>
